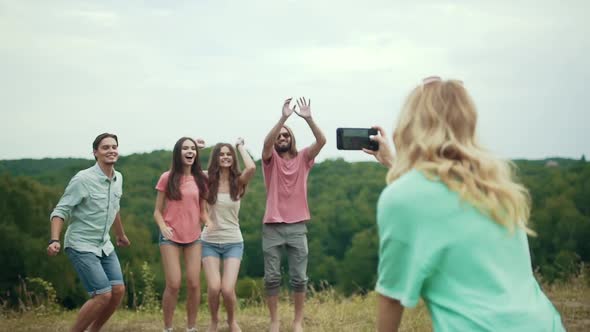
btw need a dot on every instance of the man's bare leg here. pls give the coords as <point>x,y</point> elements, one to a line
<point>106,313</point>
<point>273,308</point>
<point>299,300</point>
<point>90,311</point>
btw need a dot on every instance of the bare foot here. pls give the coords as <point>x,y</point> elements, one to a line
<point>212,326</point>
<point>297,326</point>
<point>234,327</point>
<point>274,326</point>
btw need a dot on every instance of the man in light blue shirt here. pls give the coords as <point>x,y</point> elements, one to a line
<point>91,204</point>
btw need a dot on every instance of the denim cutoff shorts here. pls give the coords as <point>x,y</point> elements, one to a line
<point>162,240</point>
<point>223,250</point>
<point>97,274</point>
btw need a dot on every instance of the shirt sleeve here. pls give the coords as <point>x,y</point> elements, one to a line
<point>405,257</point>
<point>73,195</point>
<point>162,182</point>
<point>308,162</point>
<point>272,156</point>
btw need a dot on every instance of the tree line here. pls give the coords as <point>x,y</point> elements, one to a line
<point>343,243</point>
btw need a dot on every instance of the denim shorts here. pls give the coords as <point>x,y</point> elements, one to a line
<point>223,250</point>
<point>162,240</point>
<point>97,274</point>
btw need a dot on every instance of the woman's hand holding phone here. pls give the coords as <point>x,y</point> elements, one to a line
<point>384,154</point>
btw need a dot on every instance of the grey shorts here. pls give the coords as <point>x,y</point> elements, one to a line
<point>293,237</point>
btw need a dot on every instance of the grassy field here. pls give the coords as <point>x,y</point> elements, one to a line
<point>325,311</point>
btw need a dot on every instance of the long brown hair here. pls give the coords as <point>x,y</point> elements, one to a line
<point>235,190</point>
<point>293,149</point>
<point>176,172</point>
<point>436,134</point>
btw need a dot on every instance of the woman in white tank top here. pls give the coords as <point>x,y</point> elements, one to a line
<point>222,239</point>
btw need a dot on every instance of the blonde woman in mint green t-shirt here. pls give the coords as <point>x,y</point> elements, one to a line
<point>471,272</point>
<point>453,224</point>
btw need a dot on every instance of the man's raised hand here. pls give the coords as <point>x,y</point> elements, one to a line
<point>304,108</point>
<point>287,111</point>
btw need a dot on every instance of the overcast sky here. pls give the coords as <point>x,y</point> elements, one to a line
<point>153,71</point>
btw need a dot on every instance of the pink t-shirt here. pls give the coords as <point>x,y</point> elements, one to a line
<point>182,216</point>
<point>286,188</point>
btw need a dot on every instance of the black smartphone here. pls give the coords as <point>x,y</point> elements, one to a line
<point>356,139</point>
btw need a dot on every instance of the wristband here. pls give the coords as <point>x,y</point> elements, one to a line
<point>52,241</point>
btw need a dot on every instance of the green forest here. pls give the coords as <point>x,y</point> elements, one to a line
<point>343,243</point>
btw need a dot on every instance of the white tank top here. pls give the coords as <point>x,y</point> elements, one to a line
<point>225,226</point>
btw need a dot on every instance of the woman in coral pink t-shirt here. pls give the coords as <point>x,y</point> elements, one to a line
<point>180,209</point>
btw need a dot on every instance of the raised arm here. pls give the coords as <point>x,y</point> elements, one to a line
<point>272,135</point>
<point>200,143</point>
<point>249,165</point>
<point>320,139</point>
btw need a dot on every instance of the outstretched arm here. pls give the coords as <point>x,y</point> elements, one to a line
<point>249,166</point>
<point>320,139</point>
<point>271,137</point>
<point>384,154</point>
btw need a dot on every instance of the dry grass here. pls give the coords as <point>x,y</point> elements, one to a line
<point>325,311</point>
<point>573,303</point>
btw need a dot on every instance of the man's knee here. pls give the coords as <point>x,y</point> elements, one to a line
<point>298,271</point>
<point>103,299</point>
<point>118,291</point>
<point>272,285</point>
<point>298,284</point>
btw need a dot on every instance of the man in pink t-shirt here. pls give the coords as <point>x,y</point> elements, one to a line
<point>285,177</point>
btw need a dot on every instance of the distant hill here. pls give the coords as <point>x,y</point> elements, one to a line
<point>343,243</point>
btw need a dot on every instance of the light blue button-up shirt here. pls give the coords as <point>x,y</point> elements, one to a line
<point>90,203</point>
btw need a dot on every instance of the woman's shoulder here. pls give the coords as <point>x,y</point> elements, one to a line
<point>410,182</point>
<point>164,177</point>
<point>413,189</point>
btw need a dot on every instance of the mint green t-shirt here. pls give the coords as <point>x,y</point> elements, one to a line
<point>473,274</point>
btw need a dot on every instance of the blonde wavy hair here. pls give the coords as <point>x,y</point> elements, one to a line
<point>435,134</point>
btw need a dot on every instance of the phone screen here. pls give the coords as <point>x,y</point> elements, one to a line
<point>355,138</point>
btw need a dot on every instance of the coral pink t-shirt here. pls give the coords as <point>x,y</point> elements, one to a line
<point>183,216</point>
<point>286,188</point>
